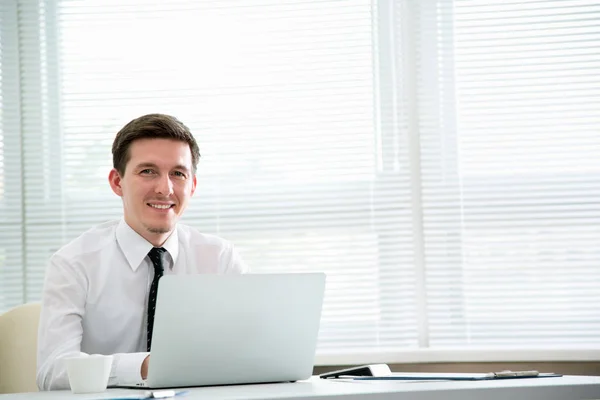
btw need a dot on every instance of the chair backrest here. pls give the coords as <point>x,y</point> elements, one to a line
<point>18,348</point>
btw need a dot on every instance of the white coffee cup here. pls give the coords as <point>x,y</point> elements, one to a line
<point>89,373</point>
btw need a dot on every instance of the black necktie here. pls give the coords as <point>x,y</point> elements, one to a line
<point>156,257</point>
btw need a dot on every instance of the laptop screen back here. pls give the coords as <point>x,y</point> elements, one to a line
<point>232,329</point>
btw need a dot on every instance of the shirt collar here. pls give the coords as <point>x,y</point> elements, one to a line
<point>136,248</point>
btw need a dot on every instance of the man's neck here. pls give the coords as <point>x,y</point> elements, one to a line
<point>157,240</point>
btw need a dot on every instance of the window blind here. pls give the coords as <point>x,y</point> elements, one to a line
<point>280,96</point>
<point>436,158</point>
<point>509,167</point>
<point>12,272</point>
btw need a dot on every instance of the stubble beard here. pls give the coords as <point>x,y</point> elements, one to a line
<point>158,230</point>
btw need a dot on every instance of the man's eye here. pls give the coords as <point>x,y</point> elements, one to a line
<point>179,174</point>
<point>146,172</point>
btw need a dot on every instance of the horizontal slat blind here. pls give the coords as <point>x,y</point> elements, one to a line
<point>281,98</point>
<point>437,158</point>
<point>12,273</point>
<point>510,174</point>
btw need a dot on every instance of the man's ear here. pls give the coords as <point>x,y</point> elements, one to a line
<point>193,185</point>
<point>114,179</point>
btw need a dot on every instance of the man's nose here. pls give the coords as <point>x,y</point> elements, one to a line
<point>164,185</point>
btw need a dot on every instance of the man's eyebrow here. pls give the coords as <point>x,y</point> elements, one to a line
<point>146,165</point>
<point>182,167</point>
<point>152,165</point>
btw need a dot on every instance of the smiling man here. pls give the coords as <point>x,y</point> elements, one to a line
<point>100,289</point>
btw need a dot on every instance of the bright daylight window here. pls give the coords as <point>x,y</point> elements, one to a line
<point>437,159</point>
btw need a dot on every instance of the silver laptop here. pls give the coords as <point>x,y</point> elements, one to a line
<point>234,329</point>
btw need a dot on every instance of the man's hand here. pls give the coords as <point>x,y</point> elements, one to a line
<point>144,371</point>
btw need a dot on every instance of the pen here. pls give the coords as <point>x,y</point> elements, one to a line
<point>163,394</point>
<point>515,374</point>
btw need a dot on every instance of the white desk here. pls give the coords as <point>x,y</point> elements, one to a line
<point>563,388</point>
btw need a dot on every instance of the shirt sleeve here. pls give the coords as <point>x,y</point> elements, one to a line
<point>236,264</point>
<point>61,330</point>
<point>126,368</point>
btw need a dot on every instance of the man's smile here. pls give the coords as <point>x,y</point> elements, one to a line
<point>159,206</point>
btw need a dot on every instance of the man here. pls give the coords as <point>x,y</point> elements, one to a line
<point>100,289</point>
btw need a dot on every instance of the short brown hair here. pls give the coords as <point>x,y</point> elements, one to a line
<point>151,126</point>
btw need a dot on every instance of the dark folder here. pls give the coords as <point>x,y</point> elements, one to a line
<point>457,376</point>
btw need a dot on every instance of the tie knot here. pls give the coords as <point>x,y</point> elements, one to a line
<point>156,257</point>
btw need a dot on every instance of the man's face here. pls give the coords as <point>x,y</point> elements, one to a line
<point>156,186</point>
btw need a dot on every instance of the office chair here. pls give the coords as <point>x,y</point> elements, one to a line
<point>18,348</point>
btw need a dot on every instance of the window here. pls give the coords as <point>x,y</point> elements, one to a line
<point>510,196</point>
<point>12,272</point>
<point>437,159</point>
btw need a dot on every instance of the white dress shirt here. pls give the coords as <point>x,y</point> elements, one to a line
<point>95,295</point>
